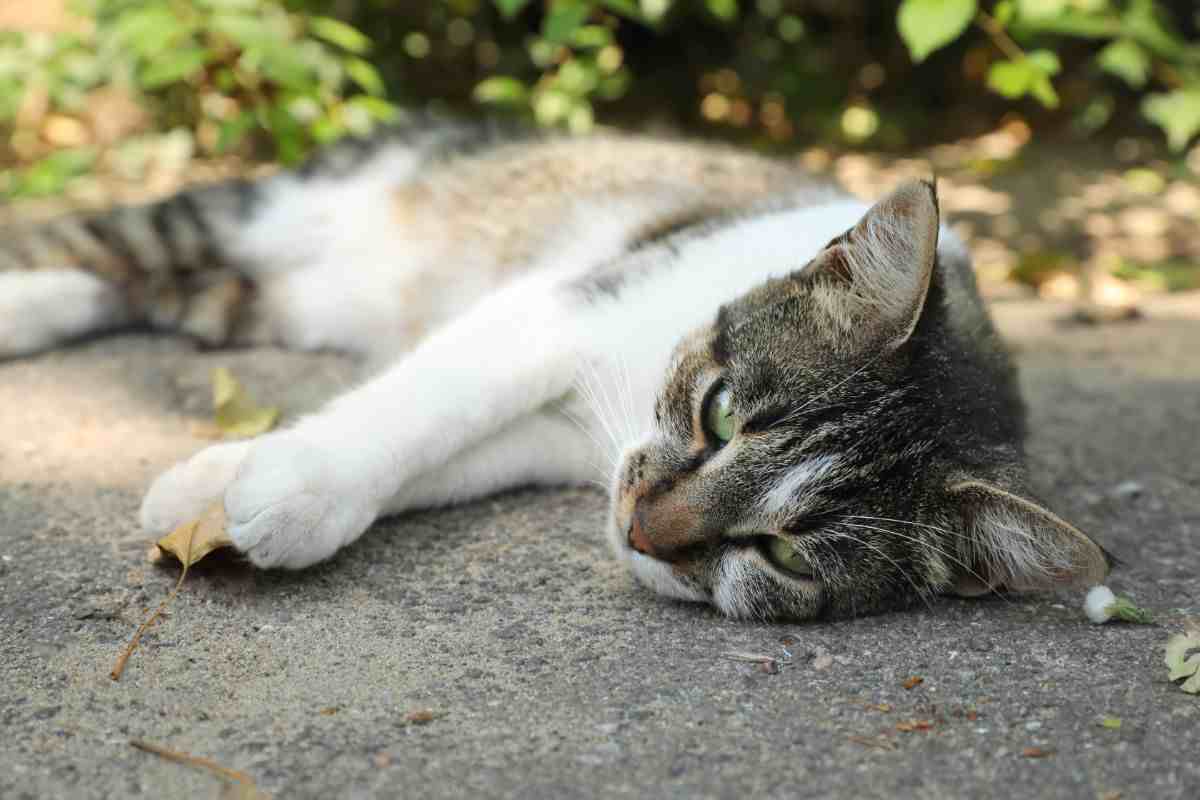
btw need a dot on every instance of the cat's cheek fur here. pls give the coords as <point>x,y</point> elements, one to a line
<point>660,578</point>
<point>746,587</point>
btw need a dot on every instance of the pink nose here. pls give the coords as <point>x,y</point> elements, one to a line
<point>638,539</point>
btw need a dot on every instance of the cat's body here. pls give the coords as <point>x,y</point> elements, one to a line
<point>867,446</point>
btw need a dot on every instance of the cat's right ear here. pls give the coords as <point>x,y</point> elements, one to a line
<point>873,279</point>
<point>1010,542</point>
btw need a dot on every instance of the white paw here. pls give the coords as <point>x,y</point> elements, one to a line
<point>293,503</point>
<point>184,491</point>
<point>39,309</point>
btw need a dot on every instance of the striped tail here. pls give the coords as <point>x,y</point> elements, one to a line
<point>165,264</point>
<point>186,263</point>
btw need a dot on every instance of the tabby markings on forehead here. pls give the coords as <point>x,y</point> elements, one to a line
<point>799,484</point>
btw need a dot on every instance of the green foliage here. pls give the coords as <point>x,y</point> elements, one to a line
<point>928,25</point>
<point>234,72</point>
<point>1142,44</point>
<point>276,77</point>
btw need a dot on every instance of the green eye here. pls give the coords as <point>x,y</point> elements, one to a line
<point>718,415</point>
<point>784,556</point>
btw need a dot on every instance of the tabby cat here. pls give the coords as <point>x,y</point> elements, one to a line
<point>798,402</point>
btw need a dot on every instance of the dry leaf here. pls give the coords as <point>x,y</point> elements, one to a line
<point>915,725</point>
<point>329,712</point>
<point>1036,752</point>
<point>422,716</point>
<point>881,744</point>
<point>913,682</point>
<point>194,540</point>
<point>238,416</point>
<point>1183,665</point>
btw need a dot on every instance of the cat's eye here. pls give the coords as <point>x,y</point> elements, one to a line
<point>784,555</point>
<point>718,414</point>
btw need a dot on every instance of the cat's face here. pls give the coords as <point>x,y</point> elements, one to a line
<point>830,446</point>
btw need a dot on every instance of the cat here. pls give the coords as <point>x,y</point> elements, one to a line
<point>796,401</point>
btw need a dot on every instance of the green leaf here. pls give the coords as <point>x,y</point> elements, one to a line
<point>233,131</point>
<point>1084,26</point>
<point>1011,78</point>
<point>928,25</point>
<point>1034,9</point>
<point>502,90</point>
<point>1004,12</point>
<point>244,30</point>
<point>1111,723</point>
<point>591,37</point>
<point>626,8</point>
<point>339,33</point>
<point>283,65</point>
<point>564,17</point>
<point>365,76</point>
<point>1045,62</point>
<point>510,8</point>
<point>148,31</point>
<point>173,66</point>
<point>236,5</point>
<point>724,10</point>
<point>1177,113</point>
<point>51,174</point>
<point>1127,60</point>
<point>376,108</point>
<point>1142,22</point>
<point>1026,76</point>
<point>1126,610</point>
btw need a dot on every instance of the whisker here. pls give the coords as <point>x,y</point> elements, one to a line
<point>857,540</point>
<point>602,450</point>
<point>590,396</point>
<point>940,551</point>
<point>842,382</point>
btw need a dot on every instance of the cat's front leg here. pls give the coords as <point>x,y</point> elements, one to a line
<point>299,495</point>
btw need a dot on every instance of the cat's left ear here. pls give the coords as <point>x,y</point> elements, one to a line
<point>1013,543</point>
<point>875,276</point>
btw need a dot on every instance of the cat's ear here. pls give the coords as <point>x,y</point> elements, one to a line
<point>875,276</point>
<point>1013,543</point>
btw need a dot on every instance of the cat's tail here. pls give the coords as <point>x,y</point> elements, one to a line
<point>191,262</point>
<point>171,264</point>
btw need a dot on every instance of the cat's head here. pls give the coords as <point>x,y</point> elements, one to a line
<point>843,440</point>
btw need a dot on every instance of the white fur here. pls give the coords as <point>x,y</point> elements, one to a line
<point>797,484</point>
<point>41,308</point>
<point>659,578</point>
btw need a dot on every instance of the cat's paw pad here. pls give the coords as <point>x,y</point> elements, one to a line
<point>184,491</point>
<point>293,503</point>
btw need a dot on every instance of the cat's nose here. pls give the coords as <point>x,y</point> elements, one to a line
<point>638,539</point>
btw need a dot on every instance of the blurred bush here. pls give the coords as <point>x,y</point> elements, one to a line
<point>271,78</point>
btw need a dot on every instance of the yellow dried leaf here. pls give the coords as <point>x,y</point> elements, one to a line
<point>238,416</point>
<point>194,540</point>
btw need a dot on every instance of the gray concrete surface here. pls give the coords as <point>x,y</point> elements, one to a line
<point>557,677</point>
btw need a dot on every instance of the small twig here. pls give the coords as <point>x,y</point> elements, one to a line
<point>999,36</point>
<point>754,658</point>
<point>193,761</point>
<point>119,667</point>
<point>868,742</point>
